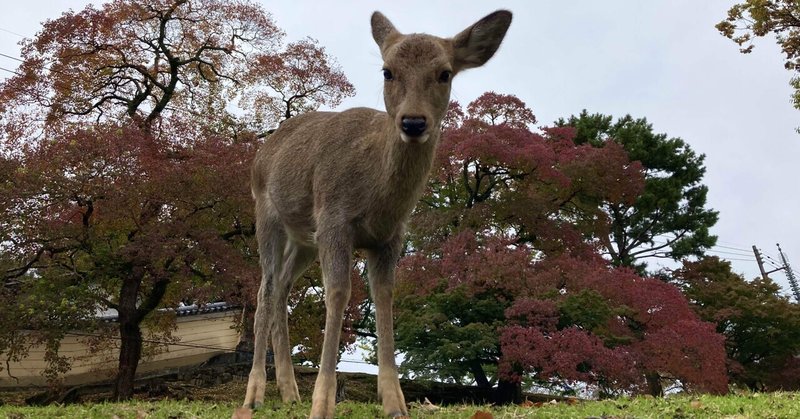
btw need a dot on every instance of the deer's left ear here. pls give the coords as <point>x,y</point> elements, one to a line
<point>476,44</point>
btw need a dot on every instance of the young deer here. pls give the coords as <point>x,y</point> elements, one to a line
<point>326,183</point>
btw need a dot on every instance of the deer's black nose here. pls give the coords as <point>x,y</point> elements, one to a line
<point>414,126</point>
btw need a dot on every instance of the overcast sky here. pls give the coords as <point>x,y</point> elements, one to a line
<point>662,60</point>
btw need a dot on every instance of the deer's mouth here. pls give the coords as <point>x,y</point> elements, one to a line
<point>418,139</point>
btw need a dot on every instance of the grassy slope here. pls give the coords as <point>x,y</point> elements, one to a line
<point>219,401</point>
<point>779,405</point>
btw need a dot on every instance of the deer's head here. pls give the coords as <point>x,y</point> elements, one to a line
<point>418,69</point>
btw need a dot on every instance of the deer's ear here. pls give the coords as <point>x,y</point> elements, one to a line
<point>476,44</point>
<point>382,29</point>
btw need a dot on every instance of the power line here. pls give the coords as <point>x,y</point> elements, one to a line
<point>728,253</point>
<point>731,248</point>
<point>740,260</point>
<point>739,246</point>
<point>13,33</point>
<point>10,71</point>
<point>11,57</point>
<point>741,252</point>
<point>773,264</point>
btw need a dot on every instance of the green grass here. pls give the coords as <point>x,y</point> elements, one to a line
<point>776,405</point>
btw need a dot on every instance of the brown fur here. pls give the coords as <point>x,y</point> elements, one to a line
<point>326,183</point>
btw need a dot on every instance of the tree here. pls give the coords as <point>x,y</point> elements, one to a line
<point>761,327</point>
<point>669,219</point>
<point>498,264</point>
<point>758,18</point>
<point>130,178</point>
<point>109,218</point>
<point>557,321</point>
<point>489,160</point>
<point>299,79</point>
<point>138,60</point>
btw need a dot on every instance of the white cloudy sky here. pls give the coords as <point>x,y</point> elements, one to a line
<point>657,59</point>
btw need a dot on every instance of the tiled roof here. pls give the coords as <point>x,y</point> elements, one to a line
<point>111,315</point>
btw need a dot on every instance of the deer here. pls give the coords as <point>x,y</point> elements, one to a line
<point>326,184</point>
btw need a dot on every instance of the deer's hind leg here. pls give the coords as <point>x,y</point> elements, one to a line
<point>271,243</point>
<point>297,258</point>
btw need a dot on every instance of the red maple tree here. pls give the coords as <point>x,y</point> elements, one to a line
<point>129,177</point>
<point>503,273</point>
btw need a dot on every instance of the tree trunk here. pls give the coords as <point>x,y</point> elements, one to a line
<point>129,353</point>
<point>246,345</point>
<point>130,336</point>
<point>654,387</point>
<point>480,376</point>
<point>508,392</point>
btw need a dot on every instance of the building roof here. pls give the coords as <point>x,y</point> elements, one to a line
<point>111,314</point>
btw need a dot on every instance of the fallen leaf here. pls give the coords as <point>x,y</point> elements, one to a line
<point>242,413</point>
<point>427,405</point>
<point>482,415</point>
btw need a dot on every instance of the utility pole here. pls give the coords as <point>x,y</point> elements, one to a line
<point>765,274</point>
<point>760,263</point>
<point>790,275</point>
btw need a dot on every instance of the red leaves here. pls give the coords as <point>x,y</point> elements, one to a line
<point>128,59</point>
<point>473,263</point>
<point>490,165</point>
<point>115,197</point>
<point>663,333</point>
<point>690,350</point>
<point>299,79</point>
<point>569,354</point>
<point>540,314</point>
<point>497,109</point>
<point>652,327</point>
<point>509,225</point>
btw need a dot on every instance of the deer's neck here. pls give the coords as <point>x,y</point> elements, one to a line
<point>406,166</point>
<point>402,172</point>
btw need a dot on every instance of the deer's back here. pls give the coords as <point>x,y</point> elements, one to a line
<point>322,163</point>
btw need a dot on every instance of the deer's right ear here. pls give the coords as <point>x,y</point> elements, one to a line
<point>382,28</point>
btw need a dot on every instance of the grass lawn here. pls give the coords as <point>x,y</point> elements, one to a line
<point>776,405</point>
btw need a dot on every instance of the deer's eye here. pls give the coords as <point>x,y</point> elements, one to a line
<point>445,76</point>
<point>387,75</point>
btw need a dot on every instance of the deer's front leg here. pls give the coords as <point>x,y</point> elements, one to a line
<point>335,254</point>
<point>380,268</point>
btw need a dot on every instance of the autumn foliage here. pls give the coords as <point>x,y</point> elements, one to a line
<point>505,283</point>
<point>124,184</point>
<point>761,326</point>
<point>125,173</point>
<point>778,19</point>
